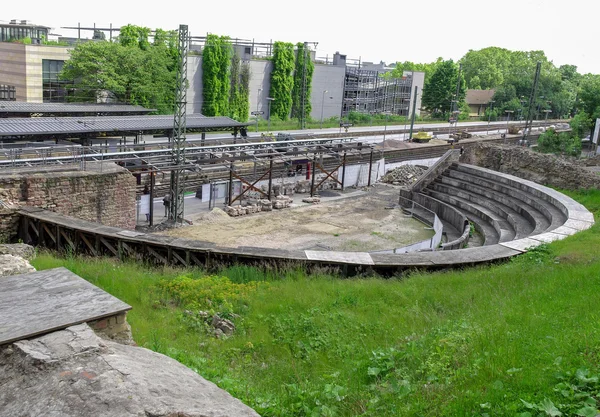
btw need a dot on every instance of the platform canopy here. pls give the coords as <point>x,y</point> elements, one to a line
<point>39,128</point>
<point>24,109</point>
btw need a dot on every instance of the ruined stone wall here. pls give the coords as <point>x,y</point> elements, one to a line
<point>525,163</point>
<point>102,193</point>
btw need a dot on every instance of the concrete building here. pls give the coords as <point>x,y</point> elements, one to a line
<point>29,72</point>
<point>32,71</point>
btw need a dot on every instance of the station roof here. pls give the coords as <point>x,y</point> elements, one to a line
<point>72,127</point>
<point>24,109</point>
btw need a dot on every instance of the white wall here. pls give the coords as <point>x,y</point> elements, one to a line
<point>330,78</point>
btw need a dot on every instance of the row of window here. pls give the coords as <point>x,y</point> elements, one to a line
<point>10,33</point>
<point>8,93</point>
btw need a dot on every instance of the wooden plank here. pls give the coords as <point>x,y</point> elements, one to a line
<point>89,245</point>
<point>45,301</point>
<point>109,246</point>
<point>179,258</point>
<point>157,255</point>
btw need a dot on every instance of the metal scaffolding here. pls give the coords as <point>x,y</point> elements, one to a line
<point>178,155</point>
<point>372,92</point>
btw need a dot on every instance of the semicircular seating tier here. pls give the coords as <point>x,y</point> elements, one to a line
<point>511,214</point>
<point>504,209</point>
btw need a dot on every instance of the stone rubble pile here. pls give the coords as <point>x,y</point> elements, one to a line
<point>403,175</point>
<point>280,202</point>
<point>312,200</point>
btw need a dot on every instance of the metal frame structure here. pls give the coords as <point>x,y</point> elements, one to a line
<point>369,92</point>
<point>179,128</point>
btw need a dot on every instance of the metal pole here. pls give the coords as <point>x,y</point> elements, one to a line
<point>412,120</point>
<point>385,130</point>
<point>270,176</point>
<point>370,167</point>
<point>152,180</point>
<point>230,184</point>
<point>314,175</point>
<point>343,171</point>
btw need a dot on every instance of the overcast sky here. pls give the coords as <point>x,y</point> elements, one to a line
<point>382,30</point>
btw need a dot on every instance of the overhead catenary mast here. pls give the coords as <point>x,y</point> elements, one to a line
<point>177,189</point>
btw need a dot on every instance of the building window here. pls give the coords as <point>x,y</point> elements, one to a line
<point>8,93</point>
<point>55,90</point>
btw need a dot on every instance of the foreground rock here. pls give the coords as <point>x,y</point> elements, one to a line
<point>18,249</point>
<point>14,265</point>
<point>73,372</point>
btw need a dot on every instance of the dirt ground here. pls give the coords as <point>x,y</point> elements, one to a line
<point>360,222</point>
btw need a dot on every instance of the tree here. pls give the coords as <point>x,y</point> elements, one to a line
<point>216,85</point>
<point>440,90</point>
<point>486,68</point>
<point>239,104</point>
<point>125,71</point>
<point>302,83</point>
<point>428,69</point>
<point>282,81</point>
<point>562,143</point>
<point>131,35</point>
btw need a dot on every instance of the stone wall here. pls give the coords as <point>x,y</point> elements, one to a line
<point>525,163</point>
<point>102,193</point>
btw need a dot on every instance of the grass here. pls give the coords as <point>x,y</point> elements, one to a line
<point>334,122</point>
<point>518,338</point>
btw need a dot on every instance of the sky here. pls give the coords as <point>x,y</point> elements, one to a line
<point>374,31</point>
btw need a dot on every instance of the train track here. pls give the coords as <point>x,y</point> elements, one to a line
<point>196,180</point>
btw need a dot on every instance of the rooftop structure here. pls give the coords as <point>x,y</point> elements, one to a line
<point>24,109</point>
<point>21,29</point>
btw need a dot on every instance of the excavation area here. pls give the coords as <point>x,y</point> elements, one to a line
<point>361,221</point>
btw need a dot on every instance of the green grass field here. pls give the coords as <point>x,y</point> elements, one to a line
<point>520,338</point>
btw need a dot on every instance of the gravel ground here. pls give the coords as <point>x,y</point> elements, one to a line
<point>357,223</point>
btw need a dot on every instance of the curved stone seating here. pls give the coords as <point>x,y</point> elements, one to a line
<point>502,208</point>
<point>497,202</point>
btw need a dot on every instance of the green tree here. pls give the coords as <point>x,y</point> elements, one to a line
<point>427,68</point>
<point>486,68</point>
<point>302,83</point>
<point>239,105</point>
<point>563,143</point>
<point>131,74</point>
<point>216,85</point>
<point>132,35</point>
<point>282,81</point>
<point>440,90</point>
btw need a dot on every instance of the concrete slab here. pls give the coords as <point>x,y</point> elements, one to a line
<point>362,258</point>
<point>129,233</point>
<point>402,260</point>
<point>44,301</point>
<point>548,237</point>
<point>578,224</point>
<point>564,230</point>
<point>585,216</point>
<point>521,245</point>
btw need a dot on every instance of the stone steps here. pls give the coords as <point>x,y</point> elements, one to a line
<point>521,192</point>
<point>522,221</point>
<point>483,223</point>
<point>507,223</point>
<point>502,208</point>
